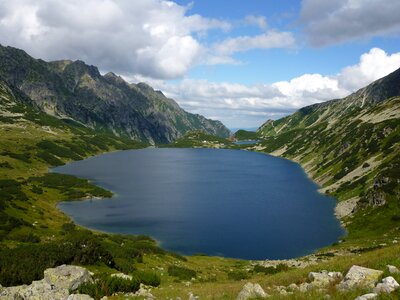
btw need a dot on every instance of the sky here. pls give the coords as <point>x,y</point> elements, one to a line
<point>241,62</point>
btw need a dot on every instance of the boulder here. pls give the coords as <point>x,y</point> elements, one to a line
<point>367,296</point>
<point>305,287</point>
<point>393,269</point>
<point>67,277</point>
<point>251,290</point>
<point>293,287</point>
<point>388,285</point>
<point>79,297</point>
<point>13,292</point>
<point>324,278</point>
<point>193,297</point>
<point>359,277</point>
<point>37,290</point>
<point>144,291</point>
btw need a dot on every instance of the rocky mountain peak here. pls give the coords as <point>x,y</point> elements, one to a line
<point>77,90</point>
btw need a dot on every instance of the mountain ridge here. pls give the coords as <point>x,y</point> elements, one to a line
<point>351,147</point>
<point>67,88</point>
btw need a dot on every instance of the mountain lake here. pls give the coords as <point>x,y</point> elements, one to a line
<point>228,203</point>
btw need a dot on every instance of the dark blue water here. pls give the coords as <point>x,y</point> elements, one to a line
<point>218,202</point>
<point>249,142</point>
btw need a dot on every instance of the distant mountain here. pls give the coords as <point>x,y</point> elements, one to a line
<point>350,146</point>
<point>73,89</point>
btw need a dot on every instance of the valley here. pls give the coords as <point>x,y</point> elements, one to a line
<point>352,153</point>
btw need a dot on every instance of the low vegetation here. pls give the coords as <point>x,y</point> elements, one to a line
<point>244,135</point>
<point>32,229</point>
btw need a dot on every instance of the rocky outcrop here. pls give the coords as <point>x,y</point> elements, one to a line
<point>367,296</point>
<point>144,291</point>
<point>67,277</point>
<point>324,278</point>
<point>251,290</point>
<point>393,269</point>
<point>387,286</point>
<point>359,277</point>
<point>336,141</point>
<point>57,284</point>
<point>73,89</point>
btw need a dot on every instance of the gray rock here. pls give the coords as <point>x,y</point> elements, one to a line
<point>293,287</point>
<point>79,297</point>
<point>38,290</point>
<point>193,297</point>
<point>305,287</point>
<point>359,277</point>
<point>388,285</point>
<point>324,278</point>
<point>67,277</point>
<point>13,292</point>
<point>251,290</point>
<point>393,269</point>
<point>144,291</point>
<point>367,296</point>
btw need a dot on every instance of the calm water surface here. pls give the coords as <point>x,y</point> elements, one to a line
<point>218,202</point>
<point>249,142</point>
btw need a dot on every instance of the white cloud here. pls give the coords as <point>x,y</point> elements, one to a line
<point>238,105</point>
<point>268,40</point>
<point>153,38</point>
<point>373,65</point>
<point>150,37</point>
<point>330,22</point>
<point>259,21</point>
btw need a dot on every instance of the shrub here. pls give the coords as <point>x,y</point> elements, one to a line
<point>37,190</point>
<point>181,272</point>
<point>148,278</point>
<point>68,227</point>
<point>238,275</point>
<point>50,159</point>
<point>124,265</point>
<point>20,156</point>
<point>25,263</point>
<point>270,270</point>
<point>26,238</point>
<point>5,165</point>
<point>395,218</point>
<point>107,285</point>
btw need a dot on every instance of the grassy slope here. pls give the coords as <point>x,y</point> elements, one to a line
<point>244,135</point>
<point>354,155</point>
<point>22,129</point>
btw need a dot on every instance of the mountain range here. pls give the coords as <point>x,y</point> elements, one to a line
<point>351,147</point>
<point>74,90</point>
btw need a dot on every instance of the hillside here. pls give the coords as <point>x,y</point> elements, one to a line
<point>351,147</point>
<point>72,89</point>
<point>35,235</point>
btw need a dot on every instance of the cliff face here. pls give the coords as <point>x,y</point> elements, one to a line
<point>350,146</point>
<point>72,89</point>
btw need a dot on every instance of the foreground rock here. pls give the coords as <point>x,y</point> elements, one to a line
<point>393,269</point>
<point>251,290</point>
<point>57,284</point>
<point>324,278</point>
<point>367,296</point>
<point>359,277</point>
<point>388,285</point>
<point>67,277</point>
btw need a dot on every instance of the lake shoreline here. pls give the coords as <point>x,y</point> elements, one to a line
<point>225,256</point>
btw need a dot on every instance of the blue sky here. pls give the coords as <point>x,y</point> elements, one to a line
<point>241,62</point>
